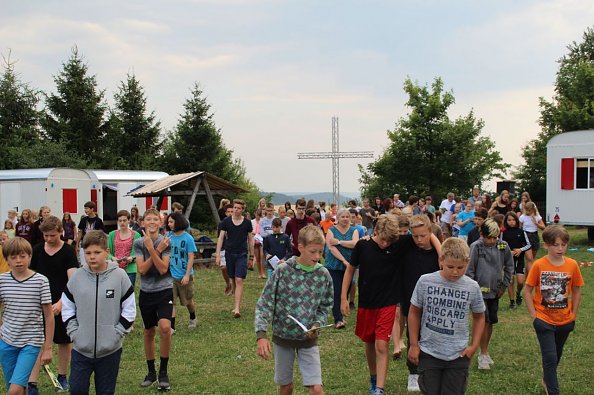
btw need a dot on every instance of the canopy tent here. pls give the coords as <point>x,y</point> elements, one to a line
<point>192,185</point>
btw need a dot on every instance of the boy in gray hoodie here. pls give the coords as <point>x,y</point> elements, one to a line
<point>98,308</point>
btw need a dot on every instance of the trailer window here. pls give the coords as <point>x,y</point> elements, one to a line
<point>584,173</point>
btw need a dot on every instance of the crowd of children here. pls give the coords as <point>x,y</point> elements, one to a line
<point>314,258</point>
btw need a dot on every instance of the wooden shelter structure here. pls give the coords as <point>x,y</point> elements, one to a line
<point>195,184</point>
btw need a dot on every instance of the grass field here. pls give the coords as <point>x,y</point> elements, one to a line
<point>219,356</point>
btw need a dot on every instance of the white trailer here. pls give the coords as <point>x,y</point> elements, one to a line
<point>570,179</point>
<point>67,190</point>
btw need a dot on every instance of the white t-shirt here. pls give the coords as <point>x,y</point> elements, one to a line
<point>528,224</point>
<point>446,217</point>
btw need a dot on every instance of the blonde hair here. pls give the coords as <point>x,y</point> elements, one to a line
<point>310,234</point>
<point>396,211</point>
<point>419,220</point>
<point>386,227</point>
<point>16,246</point>
<point>455,249</point>
<point>530,209</point>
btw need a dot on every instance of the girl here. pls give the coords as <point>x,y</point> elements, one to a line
<point>287,206</point>
<point>70,229</point>
<point>340,241</point>
<point>514,206</point>
<point>531,222</point>
<point>25,225</point>
<point>9,228</point>
<point>121,245</point>
<point>501,204</point>
<point>181,267</point>
<point>518,242</point>
<point>135,219</point>
<point>454,219</point>
<point>257,244</point>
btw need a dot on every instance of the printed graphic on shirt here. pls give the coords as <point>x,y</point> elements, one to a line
<point>553,288</point>
<point>444,307</point>
<point>179,255</point>
<point>110,293</point>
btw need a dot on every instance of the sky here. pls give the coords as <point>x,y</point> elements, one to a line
<point>276,72</point>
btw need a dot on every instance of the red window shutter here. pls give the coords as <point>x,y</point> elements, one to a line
<point>164,203</point>
<point>149,202</point>
<point>567,173</point>
<point>69,201</point>
<point>94,199</point>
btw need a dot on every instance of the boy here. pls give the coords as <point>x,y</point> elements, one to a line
<point>26,298</point>
<point>557,283</point>
<point>236,233</point>
<point>156,296</point>
<point>97,321</point>
<point>89,221</point>
<point>276,245</point>
<point>297,223</point>
<point>368,216</point>
<point>492,266</point>
<point>228,209</point>
<point>422,259</point>
<point>57,261</point>
<point>300,287</point>
<point>327,222</point>
<point>438,323</point>
<point>480,216</point>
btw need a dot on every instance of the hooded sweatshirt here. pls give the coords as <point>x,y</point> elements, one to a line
<point>98,309</point>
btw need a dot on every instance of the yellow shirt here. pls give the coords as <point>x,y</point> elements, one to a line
<point>3,264</point>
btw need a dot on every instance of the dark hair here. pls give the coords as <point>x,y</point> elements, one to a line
<point>388,203</point>
<point>514,216</point>
<point>353,211</point>
<point>277,222</point>
<point>300,202</point>
<point>412,199</point>
<point>227,207</point>
<point>181,223</point>
<point>482,213</point>
<point>90,204</point>
<point>95,238</point>
<point>51,223</point>
<point>123,213</point>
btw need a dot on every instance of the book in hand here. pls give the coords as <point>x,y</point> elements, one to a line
<point>274,261</point>
<point>305,330</point>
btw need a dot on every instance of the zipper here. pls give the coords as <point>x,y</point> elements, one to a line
<point>96,305</point>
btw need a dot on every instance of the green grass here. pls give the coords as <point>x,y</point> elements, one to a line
<point>219,357</point>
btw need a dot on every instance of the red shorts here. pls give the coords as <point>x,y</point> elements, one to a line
<point>375,324</point>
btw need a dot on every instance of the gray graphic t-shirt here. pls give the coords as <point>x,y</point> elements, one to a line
<point>446,307</point>
<point>153,281</point>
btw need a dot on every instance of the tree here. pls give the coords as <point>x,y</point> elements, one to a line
<point>19,118</point>
<point>431,154</point>
<point>75,114</point>
<point>197,145</point>
<point>133,133</point>
<point>571,108</point>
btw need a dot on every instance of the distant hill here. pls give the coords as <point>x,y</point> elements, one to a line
<point>281,198</point>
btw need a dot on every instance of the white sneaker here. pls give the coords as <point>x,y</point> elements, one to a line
<point>413,383</point>
<point>488,358</point>
<point>192,324</point>
<point>172,331</point>
<point>483,362</point>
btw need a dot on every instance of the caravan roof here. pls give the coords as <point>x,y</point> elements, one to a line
<point>127,175</point>
<point>25,174</point>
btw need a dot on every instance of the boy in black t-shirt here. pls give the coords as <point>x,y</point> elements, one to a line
<point>89,221</point>
<point>379,273</point>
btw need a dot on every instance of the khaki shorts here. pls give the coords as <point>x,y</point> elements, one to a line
<point>185,293</point>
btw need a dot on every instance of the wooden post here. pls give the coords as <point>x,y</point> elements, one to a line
<point>211,201</point>
<point>193,198</point>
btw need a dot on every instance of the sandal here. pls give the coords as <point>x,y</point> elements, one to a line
<point>396,355</point>
<point>340,325</point>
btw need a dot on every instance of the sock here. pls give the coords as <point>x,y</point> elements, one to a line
<point>373,380</point>
<point>151,365</point>
<point>193,316</point>
<point>163,365</point>
<point>32,384</point>
<point>61,376</point>
<point>173,323</point>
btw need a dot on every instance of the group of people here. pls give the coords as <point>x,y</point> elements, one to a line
<point>425,270</point>
<point>51,284</point>
<point>417,268</point>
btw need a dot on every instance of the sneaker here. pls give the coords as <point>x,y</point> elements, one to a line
<point>172,331</point>
<point>489,360</point>
<point>164,382</point>
<point>32,389</point>
<point>150,379</point>
<point>378,391</point>
<point>63,383</point>
<point>483,362</point>
<point>518,299</point>
<point>192,324</point>
<point>512,304</point>
<point>413,383</point>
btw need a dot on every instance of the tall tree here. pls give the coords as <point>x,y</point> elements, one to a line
<point>19,118</point>
<point>571,108</point>
<point>133,132</point>
<point>75,114</point>
<point>429,153</point>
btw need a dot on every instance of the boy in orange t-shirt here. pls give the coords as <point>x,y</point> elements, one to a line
<point>556,281</point>
<point>327,222</point>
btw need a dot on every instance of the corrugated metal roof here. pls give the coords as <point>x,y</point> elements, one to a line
<point>185,181</point>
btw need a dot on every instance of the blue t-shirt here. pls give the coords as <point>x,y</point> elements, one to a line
<point>181,246</point>
<point>463,216</point>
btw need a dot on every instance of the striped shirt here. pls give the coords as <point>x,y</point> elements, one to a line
<point>22,321</point>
